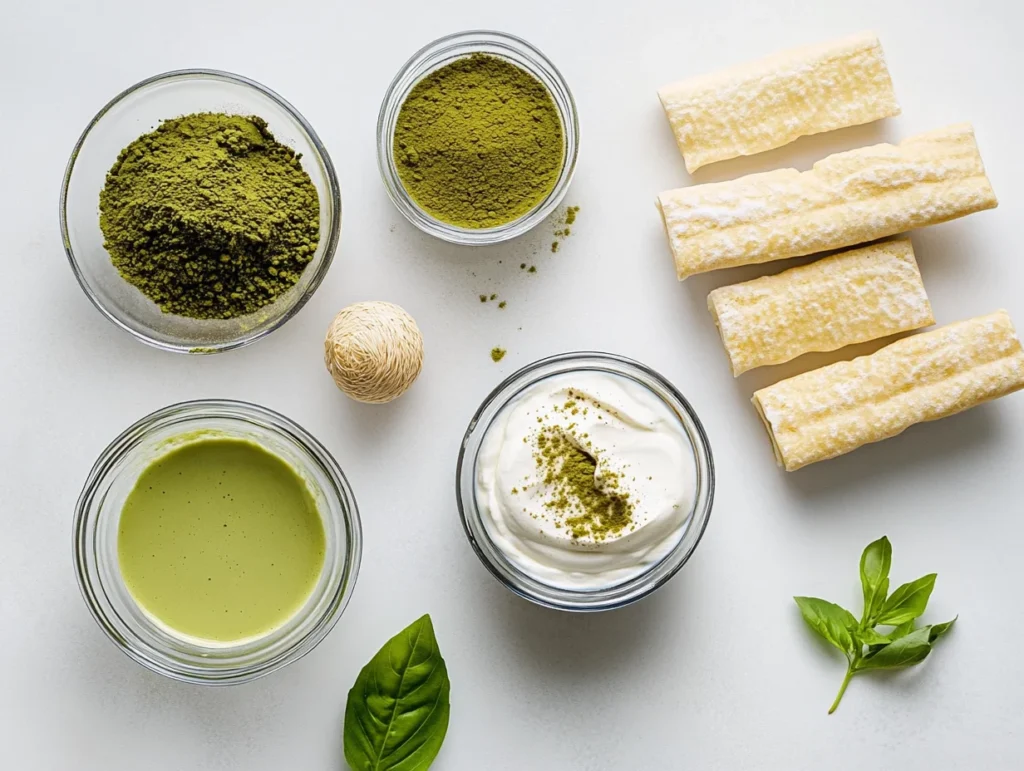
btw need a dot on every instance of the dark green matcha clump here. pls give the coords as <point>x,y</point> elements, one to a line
<point>210,216</point>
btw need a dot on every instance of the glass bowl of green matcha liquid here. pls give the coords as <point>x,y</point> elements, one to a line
<point>199,211</point>
<point>216,541</point>
<point>477,138</point>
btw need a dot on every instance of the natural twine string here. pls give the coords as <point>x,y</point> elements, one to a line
<point>374,351</point>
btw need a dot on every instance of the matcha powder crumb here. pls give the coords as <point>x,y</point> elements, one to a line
<point>479,142</point>
<point>586,496</point>
<point>563,225</point>
<point>209,216</point>
<point>497,354</point>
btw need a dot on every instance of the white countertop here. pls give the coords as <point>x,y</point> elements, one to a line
<point>716,671</point>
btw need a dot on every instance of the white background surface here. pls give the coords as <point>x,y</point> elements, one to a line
<point>716,671</point>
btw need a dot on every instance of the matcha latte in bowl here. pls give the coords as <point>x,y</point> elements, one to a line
<point>477,138</point>
<point>585,481</point>
<point>216,541</point>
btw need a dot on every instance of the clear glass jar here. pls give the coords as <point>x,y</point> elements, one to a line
<point>608,597</point>
<point>438,54</point>
<point>95,544</point>
<point>139,110</point>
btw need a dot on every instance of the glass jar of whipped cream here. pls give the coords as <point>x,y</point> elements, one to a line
<point>585,481</point>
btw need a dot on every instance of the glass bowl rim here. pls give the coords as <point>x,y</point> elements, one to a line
<point>426,222</point>
<point>90,583</point>
<point>703,460</point>
<point>333,190</point>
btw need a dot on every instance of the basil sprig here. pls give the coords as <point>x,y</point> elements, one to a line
<point>397,712</point>
<point>864,645</point>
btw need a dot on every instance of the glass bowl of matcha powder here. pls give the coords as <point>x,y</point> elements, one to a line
<point>200,211</point>
<point>477,138</point>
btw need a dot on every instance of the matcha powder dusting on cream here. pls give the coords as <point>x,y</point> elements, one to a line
<point>210,216</point>
<point>587,499</point>
<point>478,142</point>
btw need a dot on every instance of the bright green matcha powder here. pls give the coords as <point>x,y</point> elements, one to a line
<point>220,540</point>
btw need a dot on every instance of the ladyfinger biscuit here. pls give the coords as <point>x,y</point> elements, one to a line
<point>770,102</point>
<point>838,408</point>
<point>845,199</point>
<point>850,297</point>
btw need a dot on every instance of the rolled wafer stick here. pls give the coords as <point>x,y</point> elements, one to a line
<point>846,199</point>
<point>850,297</point>
<point>768,103</point>
<point>836,409</point>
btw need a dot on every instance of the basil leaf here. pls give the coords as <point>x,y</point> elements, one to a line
<point>874,576</point>
<point>871,637</point>
<point>902,630</point>
<point>397,712</point>
<point>903,652</point>
<point>830,621</point>
<point>879,641</point>
<point>908,601</point>
<point>937,630</point>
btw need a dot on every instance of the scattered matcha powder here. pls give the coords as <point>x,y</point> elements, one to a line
<point>566,218</point>
<point>562,226</point>
<point>497,354</point>
<point>491,298</point>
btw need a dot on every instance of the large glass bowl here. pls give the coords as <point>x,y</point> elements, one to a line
<point>438,54</point>
<point>98,516</point>
<point>139,110</point>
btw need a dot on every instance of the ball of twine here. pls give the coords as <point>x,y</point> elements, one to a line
<point>374,351</point>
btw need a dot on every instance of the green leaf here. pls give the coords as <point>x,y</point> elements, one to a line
<point>830,621</point>
<point>937,630</point>
<point>908,601</point>
<point>934,633</point>
<point>871,637</point>
<point>902,630</point>
<point>876,639</point>
<point>397,712</point>
<point>874,576</point>
<point>903,652</point>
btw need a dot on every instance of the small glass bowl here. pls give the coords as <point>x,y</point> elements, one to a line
<point>95,544</point>
<point>139,110</point>
<point>436,55</point>
<point>613,596</point>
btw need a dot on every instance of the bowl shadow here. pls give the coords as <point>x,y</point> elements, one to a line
<point>566,648</point>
